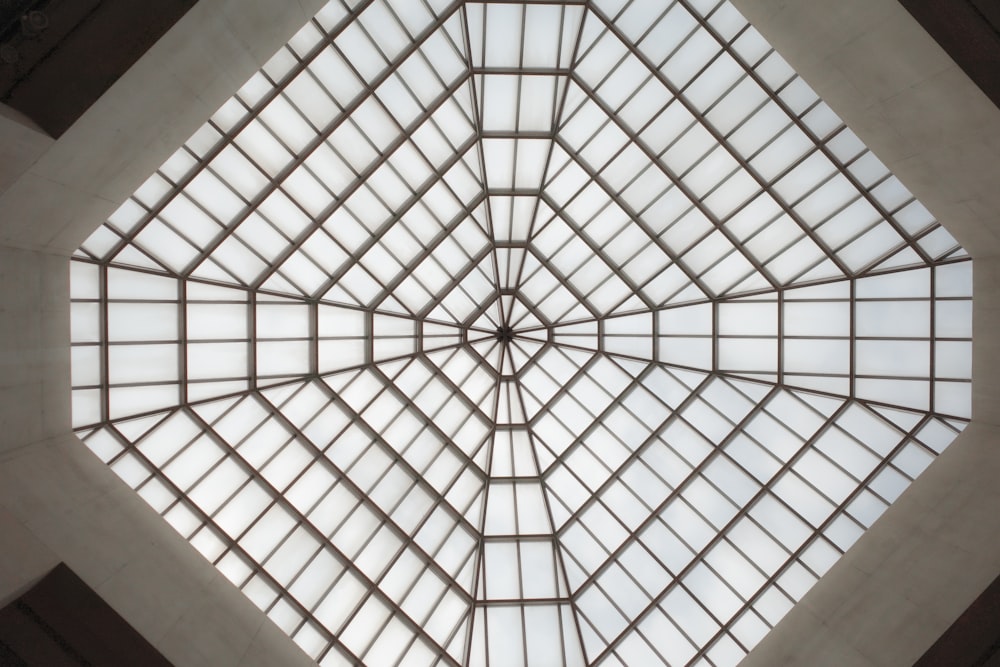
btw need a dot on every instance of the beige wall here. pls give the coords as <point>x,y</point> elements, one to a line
<point>938,547</point>
<point>57,501</point>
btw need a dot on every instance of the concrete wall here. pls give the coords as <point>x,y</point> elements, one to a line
<point>938,547</point>
<point>57,501</point>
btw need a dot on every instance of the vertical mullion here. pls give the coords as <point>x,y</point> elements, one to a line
<point>105,353</point>
<point>932,365</point>
<point>252,339</point>
<point>313,306</point>
<point>182,342</point>
<point>853,333</point>
<point>781,337</point>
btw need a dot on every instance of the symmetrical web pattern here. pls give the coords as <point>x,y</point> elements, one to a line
<point>501,333</point>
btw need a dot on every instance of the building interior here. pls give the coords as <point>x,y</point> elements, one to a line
<point>886,602</point>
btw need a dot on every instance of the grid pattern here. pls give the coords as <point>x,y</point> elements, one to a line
<point>498,333</point>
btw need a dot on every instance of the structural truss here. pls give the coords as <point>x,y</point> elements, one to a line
<point>496,333</point>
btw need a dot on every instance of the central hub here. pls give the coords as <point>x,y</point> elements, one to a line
<point>504,334</point>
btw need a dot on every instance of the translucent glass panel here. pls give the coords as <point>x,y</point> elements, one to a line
<point>322,520</point>
<point>735,502</point>
<point>489,333</point>
<point>506,635</point>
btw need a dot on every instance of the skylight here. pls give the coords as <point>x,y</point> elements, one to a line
<point>519,333</point>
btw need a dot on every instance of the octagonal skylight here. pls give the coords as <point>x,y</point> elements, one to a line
<point>520,333</point>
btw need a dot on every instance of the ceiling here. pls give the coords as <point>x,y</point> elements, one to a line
<point>465,326</point>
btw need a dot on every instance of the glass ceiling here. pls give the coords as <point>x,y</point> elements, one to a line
<point>516,333</point>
